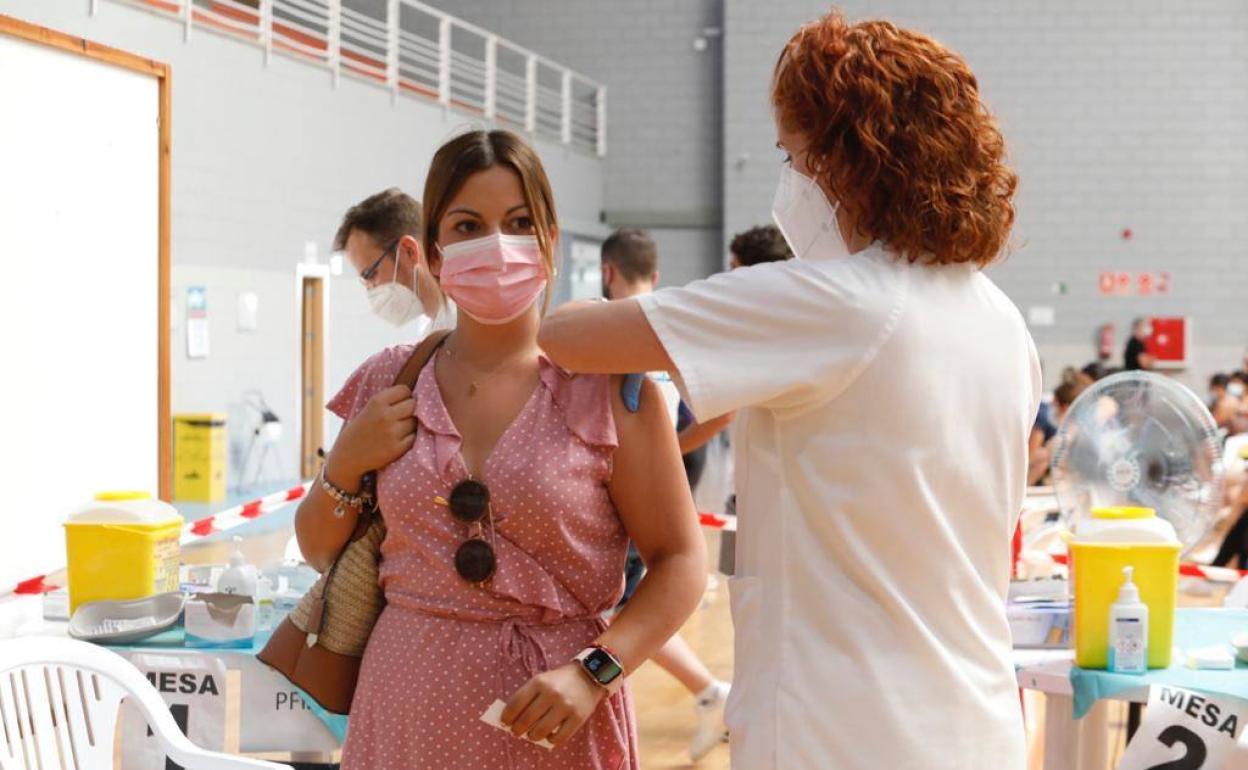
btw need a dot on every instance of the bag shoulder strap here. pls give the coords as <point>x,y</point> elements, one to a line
<point>420,356</point>
<point>407,376</point>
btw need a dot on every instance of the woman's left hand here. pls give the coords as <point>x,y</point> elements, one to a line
<point>553,705</point>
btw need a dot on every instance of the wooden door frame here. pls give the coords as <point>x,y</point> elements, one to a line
<point>34,33</point>
<point>305,271</point>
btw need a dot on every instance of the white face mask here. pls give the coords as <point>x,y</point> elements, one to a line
<point>805,217</point>
<point>395,303</point>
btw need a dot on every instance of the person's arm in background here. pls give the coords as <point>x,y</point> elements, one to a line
<point>699,434</point>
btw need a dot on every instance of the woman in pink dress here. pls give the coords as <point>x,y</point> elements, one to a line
<point>510,491</point>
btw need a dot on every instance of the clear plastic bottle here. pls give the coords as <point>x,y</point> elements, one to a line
<point>1128,629</point>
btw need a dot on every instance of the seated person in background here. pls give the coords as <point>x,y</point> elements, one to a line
<point>1237,386</point>
<point>1090,373</point>
<point>1040,449</point>
<point>1224,400</point>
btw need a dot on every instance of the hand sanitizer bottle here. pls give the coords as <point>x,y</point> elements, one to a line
<point>1128,630</point>
<point>240,577</point>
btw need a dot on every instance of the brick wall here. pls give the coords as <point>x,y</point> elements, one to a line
<point>1118,115</point>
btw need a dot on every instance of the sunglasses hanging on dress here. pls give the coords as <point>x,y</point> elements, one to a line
<point>469,503</point>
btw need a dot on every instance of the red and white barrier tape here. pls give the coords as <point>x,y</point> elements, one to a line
<point>718,521</point>
<point>219,522</point>
<point>230,518</point>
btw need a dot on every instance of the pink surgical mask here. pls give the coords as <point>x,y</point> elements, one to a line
<point>494,279</point>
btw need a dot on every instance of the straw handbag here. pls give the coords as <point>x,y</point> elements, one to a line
<point>319,646</point>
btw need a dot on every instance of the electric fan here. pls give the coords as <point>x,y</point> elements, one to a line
<point>1143,440</point>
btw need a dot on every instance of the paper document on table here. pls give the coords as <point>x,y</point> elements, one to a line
<point>494,716</point>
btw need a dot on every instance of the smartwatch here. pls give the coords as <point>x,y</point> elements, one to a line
<point>602,666</point>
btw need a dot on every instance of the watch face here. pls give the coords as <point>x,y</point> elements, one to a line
<point>600,665</point>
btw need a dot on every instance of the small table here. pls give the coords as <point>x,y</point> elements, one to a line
<point>1082,744</point>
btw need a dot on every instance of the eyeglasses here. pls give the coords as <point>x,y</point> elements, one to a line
<point>475,560</point>
<point>367,275</point>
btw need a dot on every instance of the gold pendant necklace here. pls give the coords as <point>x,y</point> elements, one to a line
<point>474,386</point>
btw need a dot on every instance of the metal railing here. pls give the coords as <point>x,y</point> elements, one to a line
<point>415,50</point>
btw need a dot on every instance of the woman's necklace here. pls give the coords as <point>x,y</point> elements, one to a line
<point>474,384</point>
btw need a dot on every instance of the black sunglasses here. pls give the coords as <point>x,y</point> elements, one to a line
<point>475,560</point>
<point>367,275</point>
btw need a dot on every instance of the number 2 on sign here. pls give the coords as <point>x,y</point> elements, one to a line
<point>1195,755</point>
<point>1185,730</point>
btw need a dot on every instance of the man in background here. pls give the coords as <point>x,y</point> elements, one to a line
<point>1136,355</point>
<point>630,267</point>
<point>380,236</point>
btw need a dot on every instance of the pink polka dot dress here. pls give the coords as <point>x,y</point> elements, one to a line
<point>444,649</point>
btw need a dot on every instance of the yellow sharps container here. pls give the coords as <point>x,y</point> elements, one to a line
<point>1104,543</point>
<point>199,457</point>
<point>125,545</point>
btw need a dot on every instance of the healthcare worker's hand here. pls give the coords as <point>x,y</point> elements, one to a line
<point>553,704</point>
<point>381,433</point>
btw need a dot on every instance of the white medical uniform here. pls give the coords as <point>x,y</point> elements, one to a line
<point>881,466</point>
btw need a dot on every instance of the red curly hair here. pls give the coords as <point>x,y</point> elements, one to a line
<point>897,133</point>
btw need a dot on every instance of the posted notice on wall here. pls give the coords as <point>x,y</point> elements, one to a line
<point>1186,730</point>
<point>196,322</point>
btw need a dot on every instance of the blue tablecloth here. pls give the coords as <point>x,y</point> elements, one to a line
<point>1193,629</point>
<point>175,638</point>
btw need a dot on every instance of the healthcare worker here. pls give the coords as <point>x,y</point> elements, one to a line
<point>887,390</point>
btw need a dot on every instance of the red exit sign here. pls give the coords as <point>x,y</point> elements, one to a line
<point>1124,284</point>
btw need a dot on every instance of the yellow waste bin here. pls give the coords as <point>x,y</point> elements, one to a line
<point>125,545</point>
<point>1111,539</point>
<point>199,457</point>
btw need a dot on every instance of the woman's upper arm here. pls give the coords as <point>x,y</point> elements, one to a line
<point>648,484</point>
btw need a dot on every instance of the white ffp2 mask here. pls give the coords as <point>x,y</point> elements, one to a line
<point>806,218</point>
<point>395,303</point>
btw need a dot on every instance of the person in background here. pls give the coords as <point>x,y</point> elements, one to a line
<point>757,246</point>
<point>1091,373</point>
<point>510,490</point>
<point>1040,449</point>
<point>630,268</point>
<point>1136,355</point>
<point>1237,384</point>
<point>1225,399</point>
<point>380,236</point>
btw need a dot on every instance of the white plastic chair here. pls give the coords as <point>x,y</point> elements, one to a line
<point>59,701</point>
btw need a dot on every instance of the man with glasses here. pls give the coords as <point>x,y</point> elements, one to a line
<point>380,237</point>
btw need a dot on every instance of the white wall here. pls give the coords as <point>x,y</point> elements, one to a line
<point>266,158</point>
<point>1118,114</point>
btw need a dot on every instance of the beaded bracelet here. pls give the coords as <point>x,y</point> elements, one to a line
<point>344,498</point>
